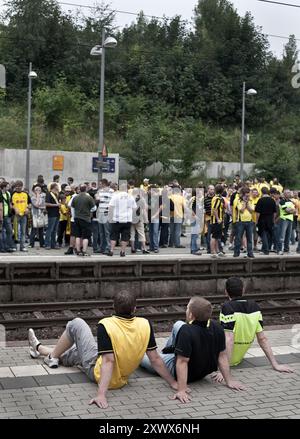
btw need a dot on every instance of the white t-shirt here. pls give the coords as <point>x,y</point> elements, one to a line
<point>123,204</point>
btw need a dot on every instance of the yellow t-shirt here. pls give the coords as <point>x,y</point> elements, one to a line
<point>130,340</point>
<point>63,212</point>
<point>246,215</point>
<point>261,185</point>
<point>179,203</point>
<point>234,209</point>
<point>20,202</point>
<point>278,187</point>
<point>254,201</point>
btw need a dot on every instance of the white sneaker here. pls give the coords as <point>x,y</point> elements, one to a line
<point>221,255</point>
<point>33,344</point>
<point>51,362</point>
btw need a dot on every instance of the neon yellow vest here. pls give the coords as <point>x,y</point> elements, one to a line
<point>130,339</point>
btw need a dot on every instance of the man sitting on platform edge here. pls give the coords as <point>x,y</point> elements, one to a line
<point>195,349</point>
<point>242,320</point>
<point>123,339</point>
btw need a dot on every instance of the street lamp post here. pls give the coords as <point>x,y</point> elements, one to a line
<point>108,42</point>
<point>32,75</point>
<point>250,92</point>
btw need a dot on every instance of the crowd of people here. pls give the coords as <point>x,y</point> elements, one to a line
<point>149,217</point>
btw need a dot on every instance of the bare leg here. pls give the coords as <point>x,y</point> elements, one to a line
<point>85,244</point>
<point>123,246</point>
<point>112,245</point>
<point>78,244</point>
<point>61,347</point>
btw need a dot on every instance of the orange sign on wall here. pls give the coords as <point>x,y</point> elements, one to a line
<point>58,162</point>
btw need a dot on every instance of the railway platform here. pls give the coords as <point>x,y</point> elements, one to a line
<point>29,389</point>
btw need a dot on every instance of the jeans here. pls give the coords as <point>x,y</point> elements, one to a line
<point>104,229</point>
<point>154,236</point>
<point>164,234</point>
<point>298,230</point>
<point>194,246</point>
<point>34,232</point>
<point>175,232</point>
<point>285,231</point>
<point>168,359</point>
<point>50,239</point>
<point>7,233</point>
<point>266,239</point>
<point>241,227</point>
<point>96,235</point>
<point>22,222</point>
<point>276,237</point>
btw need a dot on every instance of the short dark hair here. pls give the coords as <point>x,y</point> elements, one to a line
<point>82,188</point>
<point>70,178</point>
<point>219,189</point>
<point>56,177</point>
<point>124,303</point>
<point>104,181</point>
<point>200,308</point>
<point>234,287</point>
<point>265,190</point>
<point>3,184</point>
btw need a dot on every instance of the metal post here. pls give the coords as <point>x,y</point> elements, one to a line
<point>243,132</point>
<point>101,114</point>
<point>28,131</point>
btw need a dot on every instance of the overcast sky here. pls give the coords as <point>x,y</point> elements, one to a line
<point>274,19</point>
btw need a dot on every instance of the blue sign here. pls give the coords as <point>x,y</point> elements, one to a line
<point>110,163</point>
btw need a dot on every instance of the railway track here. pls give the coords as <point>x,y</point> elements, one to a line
<point>55,314</point>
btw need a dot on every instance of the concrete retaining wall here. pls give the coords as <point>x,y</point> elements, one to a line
<point>79,166</point>
<point>75,280</point>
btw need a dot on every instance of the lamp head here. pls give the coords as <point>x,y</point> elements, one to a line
<point>110,43</point>
<point>251,92</point>
<point>32,75</point>
<point>96,51</point>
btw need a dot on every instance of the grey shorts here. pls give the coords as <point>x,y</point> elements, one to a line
<point>84,352</point>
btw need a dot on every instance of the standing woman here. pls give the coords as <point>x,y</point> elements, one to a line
<point>38,216</point>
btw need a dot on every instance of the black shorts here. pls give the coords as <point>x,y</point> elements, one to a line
<point>73,228</point>
<point>216,231</point>
<point>120,228</point>
<point>82,229</point>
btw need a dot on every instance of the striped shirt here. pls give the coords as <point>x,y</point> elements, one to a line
<point>104,196</point>
<point>219,205</point>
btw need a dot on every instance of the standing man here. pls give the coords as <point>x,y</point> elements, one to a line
<point>287,212</point>
<point>83,206</point>
<point>244,223</point>
<point>52,204</point>
<point>177,207</point>
<point>7,234</point>
<point>120,214</point>
<point>21,204</point>
<point>207,209</point>
<point>217,219</point>
<point>265,215</point>
<point>103,196</point>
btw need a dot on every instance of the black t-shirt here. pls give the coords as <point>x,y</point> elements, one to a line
<point>266,207</point>
<point>202,344</point>
<point>104,341</point>
<point>52,211</point>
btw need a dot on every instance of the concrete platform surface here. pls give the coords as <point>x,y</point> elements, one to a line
<point>29,389</point>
